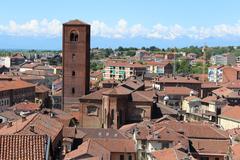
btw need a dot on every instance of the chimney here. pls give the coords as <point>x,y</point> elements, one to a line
<point>32,128</point>
<point>52,115</point>
<point>9,124</point>
<point>23,118</point>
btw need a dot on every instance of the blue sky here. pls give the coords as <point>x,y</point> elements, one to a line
<point>29,24</point>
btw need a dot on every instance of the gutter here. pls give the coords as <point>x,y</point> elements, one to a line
<point>47,148</point>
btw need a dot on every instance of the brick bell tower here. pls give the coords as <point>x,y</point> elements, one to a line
<point>76,62</point>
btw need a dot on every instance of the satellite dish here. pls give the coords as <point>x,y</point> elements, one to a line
<point>166,98</point>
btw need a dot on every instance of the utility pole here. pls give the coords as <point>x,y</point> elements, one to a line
<point>174,65</point>
<point>204,62</point>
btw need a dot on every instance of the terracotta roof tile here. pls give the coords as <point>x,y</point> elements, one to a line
<point>231,112</point>
<point>177,91</point>
<point>209,99</point>
<point>124,64</point>
<point>14,84</point>
<point>119,90</point>
<point>31,147</point>
<point>127,145</point>
<point>210,146</point>
<point>42,124</point>
<point>75,22</point>
<point>27,106</point>
<point>236,151</point>
<point>143,96</point>
<point>97,95</point>
<point>169,154</point>
<point>223,91</point>
<point>90,148</point>
<point>176,79</point>
<point>41,89</point>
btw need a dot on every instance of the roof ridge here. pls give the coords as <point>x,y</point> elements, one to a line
<point>30,120</point>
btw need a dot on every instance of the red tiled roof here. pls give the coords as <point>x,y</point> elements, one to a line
<point>41,89</point>
<point>14,84</point>
<point>124,64</point>
<point>143,96</point>
<point>236,151</point>
<point>232,84</point>
<point>30,147</point>
<point>97,95</point>
<point>160,64</point>
<point>42,124</point>
<point>119,90</point>
<point>209,99</point>
<point>210,85</point>
<point>176,79</point>
<point>169,154</point>
<point>127,145</point>
<point>75,22</point>
<point>177,91</point>
<point>210,146</point>
<point>223,91</point>
<point>27,106</point>
<point>89,147</point>
<point>231,112</point>
<point>195,129</point>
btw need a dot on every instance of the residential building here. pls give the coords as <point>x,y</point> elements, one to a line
<point>159,68</point>
<point>17,59</point>
<point>5,61</point>
<point>197,140</point>
<point>215,74</point>
<point>121,70</point>
<point>229,117</point>
<point>42,93</point>
<point>173,96</point>
<point>15,91</point>
<point>224,59</point>
<point>176,81</point>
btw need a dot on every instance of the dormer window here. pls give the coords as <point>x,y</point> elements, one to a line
<point>74,36</point>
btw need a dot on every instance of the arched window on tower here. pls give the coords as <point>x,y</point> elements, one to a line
<point>74,36</point>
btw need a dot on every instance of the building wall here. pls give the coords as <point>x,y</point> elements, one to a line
<point>116,156</point>
<point>5,61</point>
<point>88,120</point>
<point>228,123</point>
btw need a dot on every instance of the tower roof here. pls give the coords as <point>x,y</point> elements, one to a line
<point>75,22</point>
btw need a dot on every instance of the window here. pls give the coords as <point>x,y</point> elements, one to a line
<point>165,145</point>
<point>130,157</point>
<point>204,158</point>
<point>73,90</point>
<point>112,114</point>
<point>92,110</point>
<point>73,36</point>
<point>73,73</point>
<point>73,56</point>
<point>121,157</point>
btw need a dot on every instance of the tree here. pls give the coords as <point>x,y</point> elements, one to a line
<point>183,67</point>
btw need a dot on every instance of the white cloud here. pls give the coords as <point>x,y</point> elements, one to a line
<point>122,29</point>
<point>34,27</point>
